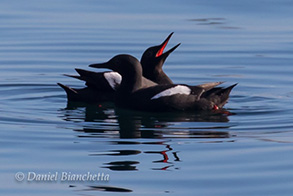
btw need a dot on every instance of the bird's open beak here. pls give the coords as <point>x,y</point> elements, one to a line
<point>163,46</point>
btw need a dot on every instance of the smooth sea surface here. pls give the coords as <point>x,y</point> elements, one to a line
<point>247,153</point>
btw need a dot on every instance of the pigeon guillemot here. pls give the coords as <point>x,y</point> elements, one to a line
<point>100,86</point>
<point>152,62</point>
<point>166,97</point>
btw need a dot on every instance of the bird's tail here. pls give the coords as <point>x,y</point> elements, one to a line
<point>83,74</point>
<point>72,95</point>
<point>209,85</point>
<point>72,76</point>
<point>224,95</point>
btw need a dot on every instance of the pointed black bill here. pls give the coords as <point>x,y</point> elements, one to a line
<point>100,65</point>
<point>161,52</point>
<point>163,45</point>
<point>171,50</point>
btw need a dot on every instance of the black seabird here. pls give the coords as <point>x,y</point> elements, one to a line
<point>165,97</point>
<point>152,62</point>
<point>100,86</point>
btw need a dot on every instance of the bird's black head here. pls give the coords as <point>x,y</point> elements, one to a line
<point>154,57</point>
<point>122,63</point>
<point>128,67</point>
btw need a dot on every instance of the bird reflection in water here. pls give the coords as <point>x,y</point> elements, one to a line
<point>106,121</point>
<point>103,118</point>
<point>165,156</point>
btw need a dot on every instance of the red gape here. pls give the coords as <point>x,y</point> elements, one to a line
<point>160,52</point>
<point>215,107</point>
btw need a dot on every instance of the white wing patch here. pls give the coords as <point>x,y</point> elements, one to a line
<point>179,89</point>
<point>113,78</point>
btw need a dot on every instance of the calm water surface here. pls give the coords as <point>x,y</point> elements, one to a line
<point>248,153</point>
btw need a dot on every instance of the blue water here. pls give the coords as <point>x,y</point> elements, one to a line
<point>248,153</point>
